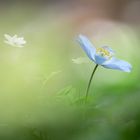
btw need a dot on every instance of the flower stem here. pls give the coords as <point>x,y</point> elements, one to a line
<point>89,83</point>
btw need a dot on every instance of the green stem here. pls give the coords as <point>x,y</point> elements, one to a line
<point>89,83</point>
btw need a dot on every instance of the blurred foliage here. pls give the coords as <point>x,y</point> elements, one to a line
<point>42,91</point>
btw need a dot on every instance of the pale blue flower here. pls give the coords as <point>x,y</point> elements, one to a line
<point>103,56</point>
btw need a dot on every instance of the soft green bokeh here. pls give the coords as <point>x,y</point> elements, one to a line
<point>41,90</point>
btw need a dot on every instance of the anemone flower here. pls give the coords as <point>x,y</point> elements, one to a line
<point>14,41</point>
<point>103,56</point>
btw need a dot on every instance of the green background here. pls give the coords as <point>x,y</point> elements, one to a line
<point>42,90</point>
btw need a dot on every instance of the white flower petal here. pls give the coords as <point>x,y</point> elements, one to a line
<point>8,37</point>
<point>14,41</point>
<point>80,60</point>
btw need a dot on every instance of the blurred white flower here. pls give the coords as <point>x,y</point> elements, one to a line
<point>80,60</point>
<point>14,41</point>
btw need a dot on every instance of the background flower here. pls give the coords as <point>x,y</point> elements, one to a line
<point>80,60</point>
<point>15,40</point>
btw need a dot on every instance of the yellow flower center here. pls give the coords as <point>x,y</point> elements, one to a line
<point>103,52</point>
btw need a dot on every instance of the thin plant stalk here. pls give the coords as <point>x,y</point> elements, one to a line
<point>89,83</point>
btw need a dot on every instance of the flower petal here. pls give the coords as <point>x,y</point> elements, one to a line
<point>80,60</point>
<point>100,59</point>
<point>9,43</point>
<point>8,37</point>
<point>14,40</point>
<point>117,64</point>
<point>87,46</point>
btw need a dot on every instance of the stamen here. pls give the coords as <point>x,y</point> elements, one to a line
<point>103,52</point>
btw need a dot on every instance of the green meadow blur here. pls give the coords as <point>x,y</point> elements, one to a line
<point>42,90</point>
